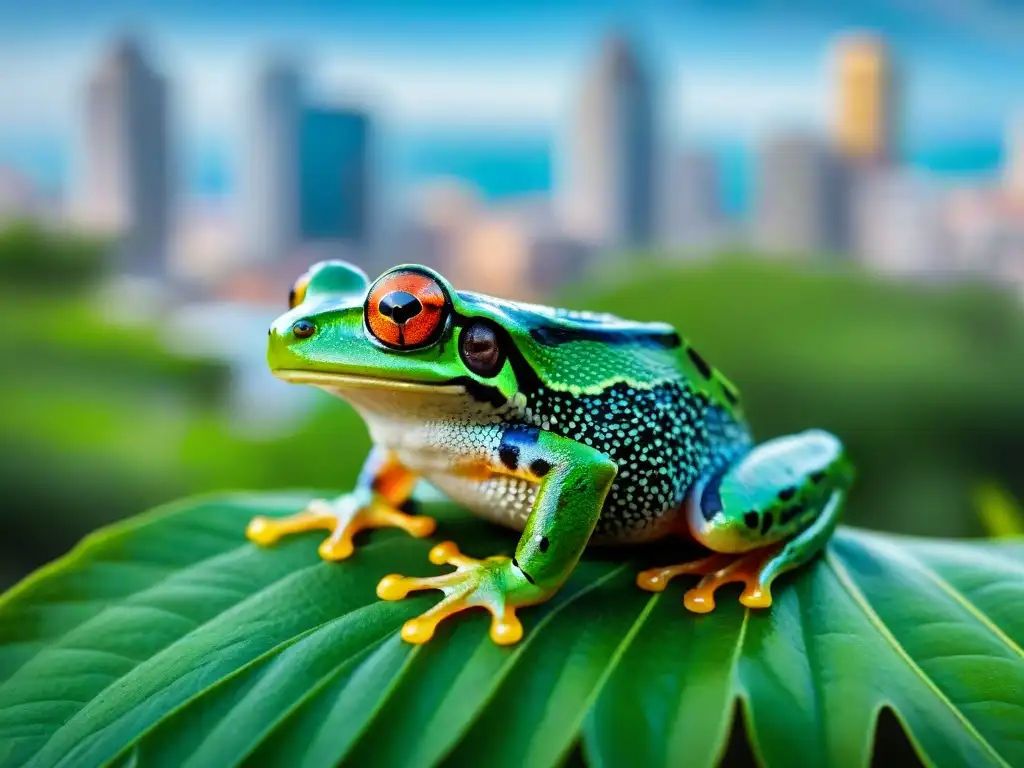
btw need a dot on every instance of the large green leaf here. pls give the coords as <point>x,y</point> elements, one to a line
<point>169,640</point>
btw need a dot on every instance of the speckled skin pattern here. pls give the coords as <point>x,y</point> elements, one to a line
<point>660,439</point>
<point>572,427</point>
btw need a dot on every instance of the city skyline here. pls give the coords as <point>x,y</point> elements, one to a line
<point>727,77</point>
<point>313,177</point>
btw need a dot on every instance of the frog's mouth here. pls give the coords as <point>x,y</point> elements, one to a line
<point>350,381</point>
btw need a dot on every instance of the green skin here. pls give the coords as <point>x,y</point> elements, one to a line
<point>587,429</point>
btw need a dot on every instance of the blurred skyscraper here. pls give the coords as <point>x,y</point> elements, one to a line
<point>608,192</point>
<point>802,197</point>
<point>271,166</point>
<point>126,185</point>
<point>693,214</point>
<point>867,112</point>
<point>334,174</point>
<point>308,169</point>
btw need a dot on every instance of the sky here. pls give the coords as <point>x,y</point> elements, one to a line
<point>469,87</point>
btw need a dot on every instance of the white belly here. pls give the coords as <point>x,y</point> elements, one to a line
<point>499,498</point>
<point>449,441</point>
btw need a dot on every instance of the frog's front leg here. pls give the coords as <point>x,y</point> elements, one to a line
<point>384,485</point>
<point>767,513</point>
<point>573,481</point>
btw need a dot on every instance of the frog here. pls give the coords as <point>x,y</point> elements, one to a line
<point>572,428</point>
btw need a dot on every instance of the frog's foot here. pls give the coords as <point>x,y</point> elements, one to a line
<point>493,583</point>
<point>749,569</point>
<point>344,518</point>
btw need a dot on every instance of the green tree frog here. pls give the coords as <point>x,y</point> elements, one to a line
<point>574,428</point>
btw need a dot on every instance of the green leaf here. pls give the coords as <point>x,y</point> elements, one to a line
<point>170,640</point>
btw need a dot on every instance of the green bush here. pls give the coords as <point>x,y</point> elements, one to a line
<point>35,257</point>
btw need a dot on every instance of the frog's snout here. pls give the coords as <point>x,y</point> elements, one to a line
<point>284,340</point>
<point>300,329</point>
<point>303,329</point>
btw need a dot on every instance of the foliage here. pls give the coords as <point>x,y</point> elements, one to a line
<point>1000,513</point>
<point>92,422</point>
<point>38,258</point>
<point>168,640</point>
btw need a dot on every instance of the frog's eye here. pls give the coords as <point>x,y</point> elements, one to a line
<point>297,294</point>
<point>406,309</point>
<point>481,349</point>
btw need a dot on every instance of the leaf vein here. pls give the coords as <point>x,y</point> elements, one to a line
<point>930,573</point>
<point>519,650</point>
<point>252,598</point>
<point>875,620</point>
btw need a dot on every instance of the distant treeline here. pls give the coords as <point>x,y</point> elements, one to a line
<point>31,254</point>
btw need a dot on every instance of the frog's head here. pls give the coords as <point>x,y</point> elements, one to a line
<point>408,331</point>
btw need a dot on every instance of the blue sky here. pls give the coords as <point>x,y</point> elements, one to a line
<point>502,74</point>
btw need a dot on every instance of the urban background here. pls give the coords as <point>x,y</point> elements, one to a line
<point>828,199</point>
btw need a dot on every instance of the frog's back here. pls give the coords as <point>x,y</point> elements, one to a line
<point>635,391</point>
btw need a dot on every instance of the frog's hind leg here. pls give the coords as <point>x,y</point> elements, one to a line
<point>757,570</point>
<point>383,487</point>
<point>768,513</point>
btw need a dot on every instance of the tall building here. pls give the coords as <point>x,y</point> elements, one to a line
<point>608,193</point>
<point>802,203</point>
<point>271,167</point>
<point>693,213</point>
<point>126,184</point>
<point>308,169</point>
<point>334,174</point>
<point>867,112</point>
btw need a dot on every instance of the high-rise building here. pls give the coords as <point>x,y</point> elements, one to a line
<point>126,184</point>
<point>693,212</point>
<point>308,169</point>
<point>867,112</point>
<point>802,197</point>
<point>608,193</point>
<point>271,169</point>
<point>334,174</point>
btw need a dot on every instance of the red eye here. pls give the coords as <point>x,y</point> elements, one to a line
<point>406,309</point>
